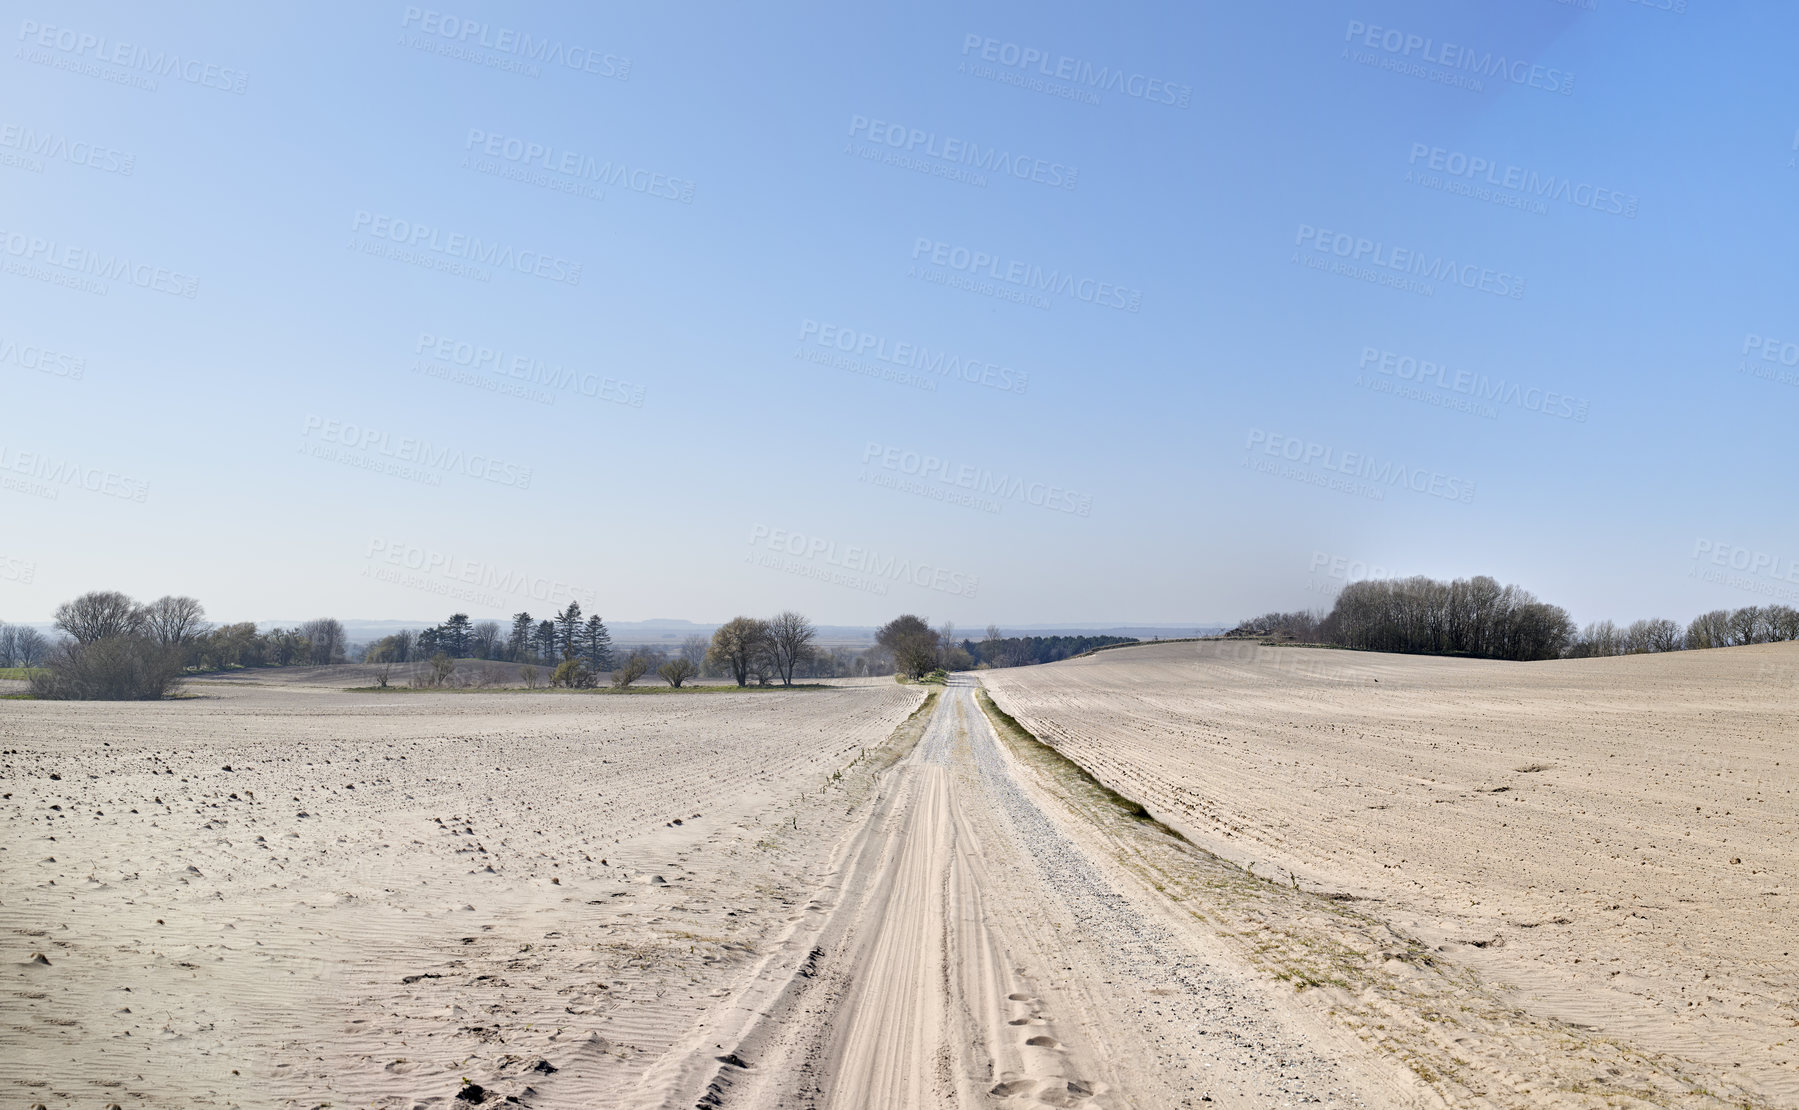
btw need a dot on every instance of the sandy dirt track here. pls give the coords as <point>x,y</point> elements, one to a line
<point>979,946</point>
<point>1360,894</point>
<point>1596,857</point>
<point>291,897</point>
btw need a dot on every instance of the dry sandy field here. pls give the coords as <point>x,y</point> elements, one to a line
<point>289,895</point>
<point>1582,872</point>
<point>1229,876</point>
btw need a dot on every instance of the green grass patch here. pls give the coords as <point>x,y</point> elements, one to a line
<point>1063,767</point>
<point>21,674</point>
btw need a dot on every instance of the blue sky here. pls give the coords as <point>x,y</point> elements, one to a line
<point>322,351</point>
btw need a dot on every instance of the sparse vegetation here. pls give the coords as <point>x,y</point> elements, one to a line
<point>631,670</point>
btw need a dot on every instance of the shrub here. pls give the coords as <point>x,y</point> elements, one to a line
<point>630,671</point>
<point>572,673</point>
<point>114,668</point>
<point>676,670</point>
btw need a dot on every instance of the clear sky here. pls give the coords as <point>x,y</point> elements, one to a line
<point>380,310</point>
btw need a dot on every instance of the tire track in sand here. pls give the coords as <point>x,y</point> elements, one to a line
<point>968,954</point>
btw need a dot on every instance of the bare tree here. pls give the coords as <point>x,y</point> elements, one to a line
<point>21,646</point>
<point>484,640</point>
<point>693,649</point>
<point>100,615</point>
<point>1784,620</point>
<point>175,620</point>
<point>1744,624</point>
<point>790,639</point>
<point>1709,630</point>
<point>677,670</point>
<point>442,667</point>
<point>738,647</point>
<point>530,676</point>
<point>326,641</point>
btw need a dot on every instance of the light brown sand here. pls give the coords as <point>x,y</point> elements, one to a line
<point>387,896</point>
<point>384,894</point>
<point>1610,845</point>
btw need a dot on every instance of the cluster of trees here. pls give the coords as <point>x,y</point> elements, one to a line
<point>230,646</point>
<point>1023,651</point>
<point>117,649</point>
<point>1754,624</point>
<point>1469,616</point>
<point>22,646</point>
<point>545,643</point>
<point>917,649</point>
<point>751,647</point>
<point>1478,617</point>
<point>578,651</point>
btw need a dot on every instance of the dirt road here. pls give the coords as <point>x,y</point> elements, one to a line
<point>971,950</point>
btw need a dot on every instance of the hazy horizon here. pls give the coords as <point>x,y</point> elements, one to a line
<point>1030,315</point>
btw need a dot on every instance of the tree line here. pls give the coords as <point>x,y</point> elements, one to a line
<point>918,649</point>
<point>1024,651</point>
<point>1478,617</point>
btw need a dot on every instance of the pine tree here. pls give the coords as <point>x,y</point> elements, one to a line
<point>546,642</point>
<point>568,630</point>
<point>453,634</point>
<point>598,644</point>
<point>519,644</point>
